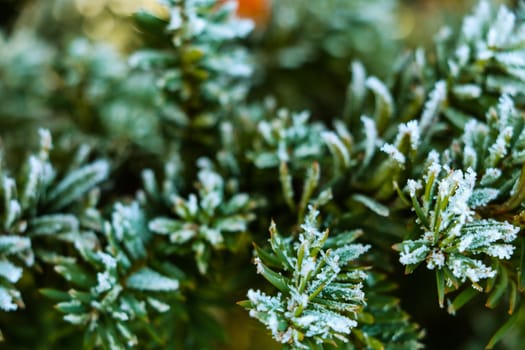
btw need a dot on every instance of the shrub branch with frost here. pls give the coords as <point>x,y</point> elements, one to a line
<point>320,287</point>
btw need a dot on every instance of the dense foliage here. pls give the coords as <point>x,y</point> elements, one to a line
<point>217,182</point>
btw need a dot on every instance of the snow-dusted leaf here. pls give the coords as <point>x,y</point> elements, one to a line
<point>10,244</point>
<point>149,280</point>
<point>384,102</point>
<point>77,183</point>
<point>372,204</point>
<point>371,139</point>
<point>339,151</point>
<point>9,299</point>
<point>9,271</point>
<point>433,105</point>
<point>54,224</point>
<point>482,196</point>
<point>164,226</point>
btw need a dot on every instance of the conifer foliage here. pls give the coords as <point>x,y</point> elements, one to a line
<point>137,186</point>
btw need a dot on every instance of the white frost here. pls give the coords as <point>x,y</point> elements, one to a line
<point>394,153</point>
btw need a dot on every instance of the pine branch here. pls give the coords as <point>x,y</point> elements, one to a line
<point>320,290</point>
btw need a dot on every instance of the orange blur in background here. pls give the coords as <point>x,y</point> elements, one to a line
<point>258,10</point>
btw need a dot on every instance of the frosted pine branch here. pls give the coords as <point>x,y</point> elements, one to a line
<point>320,289</point>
